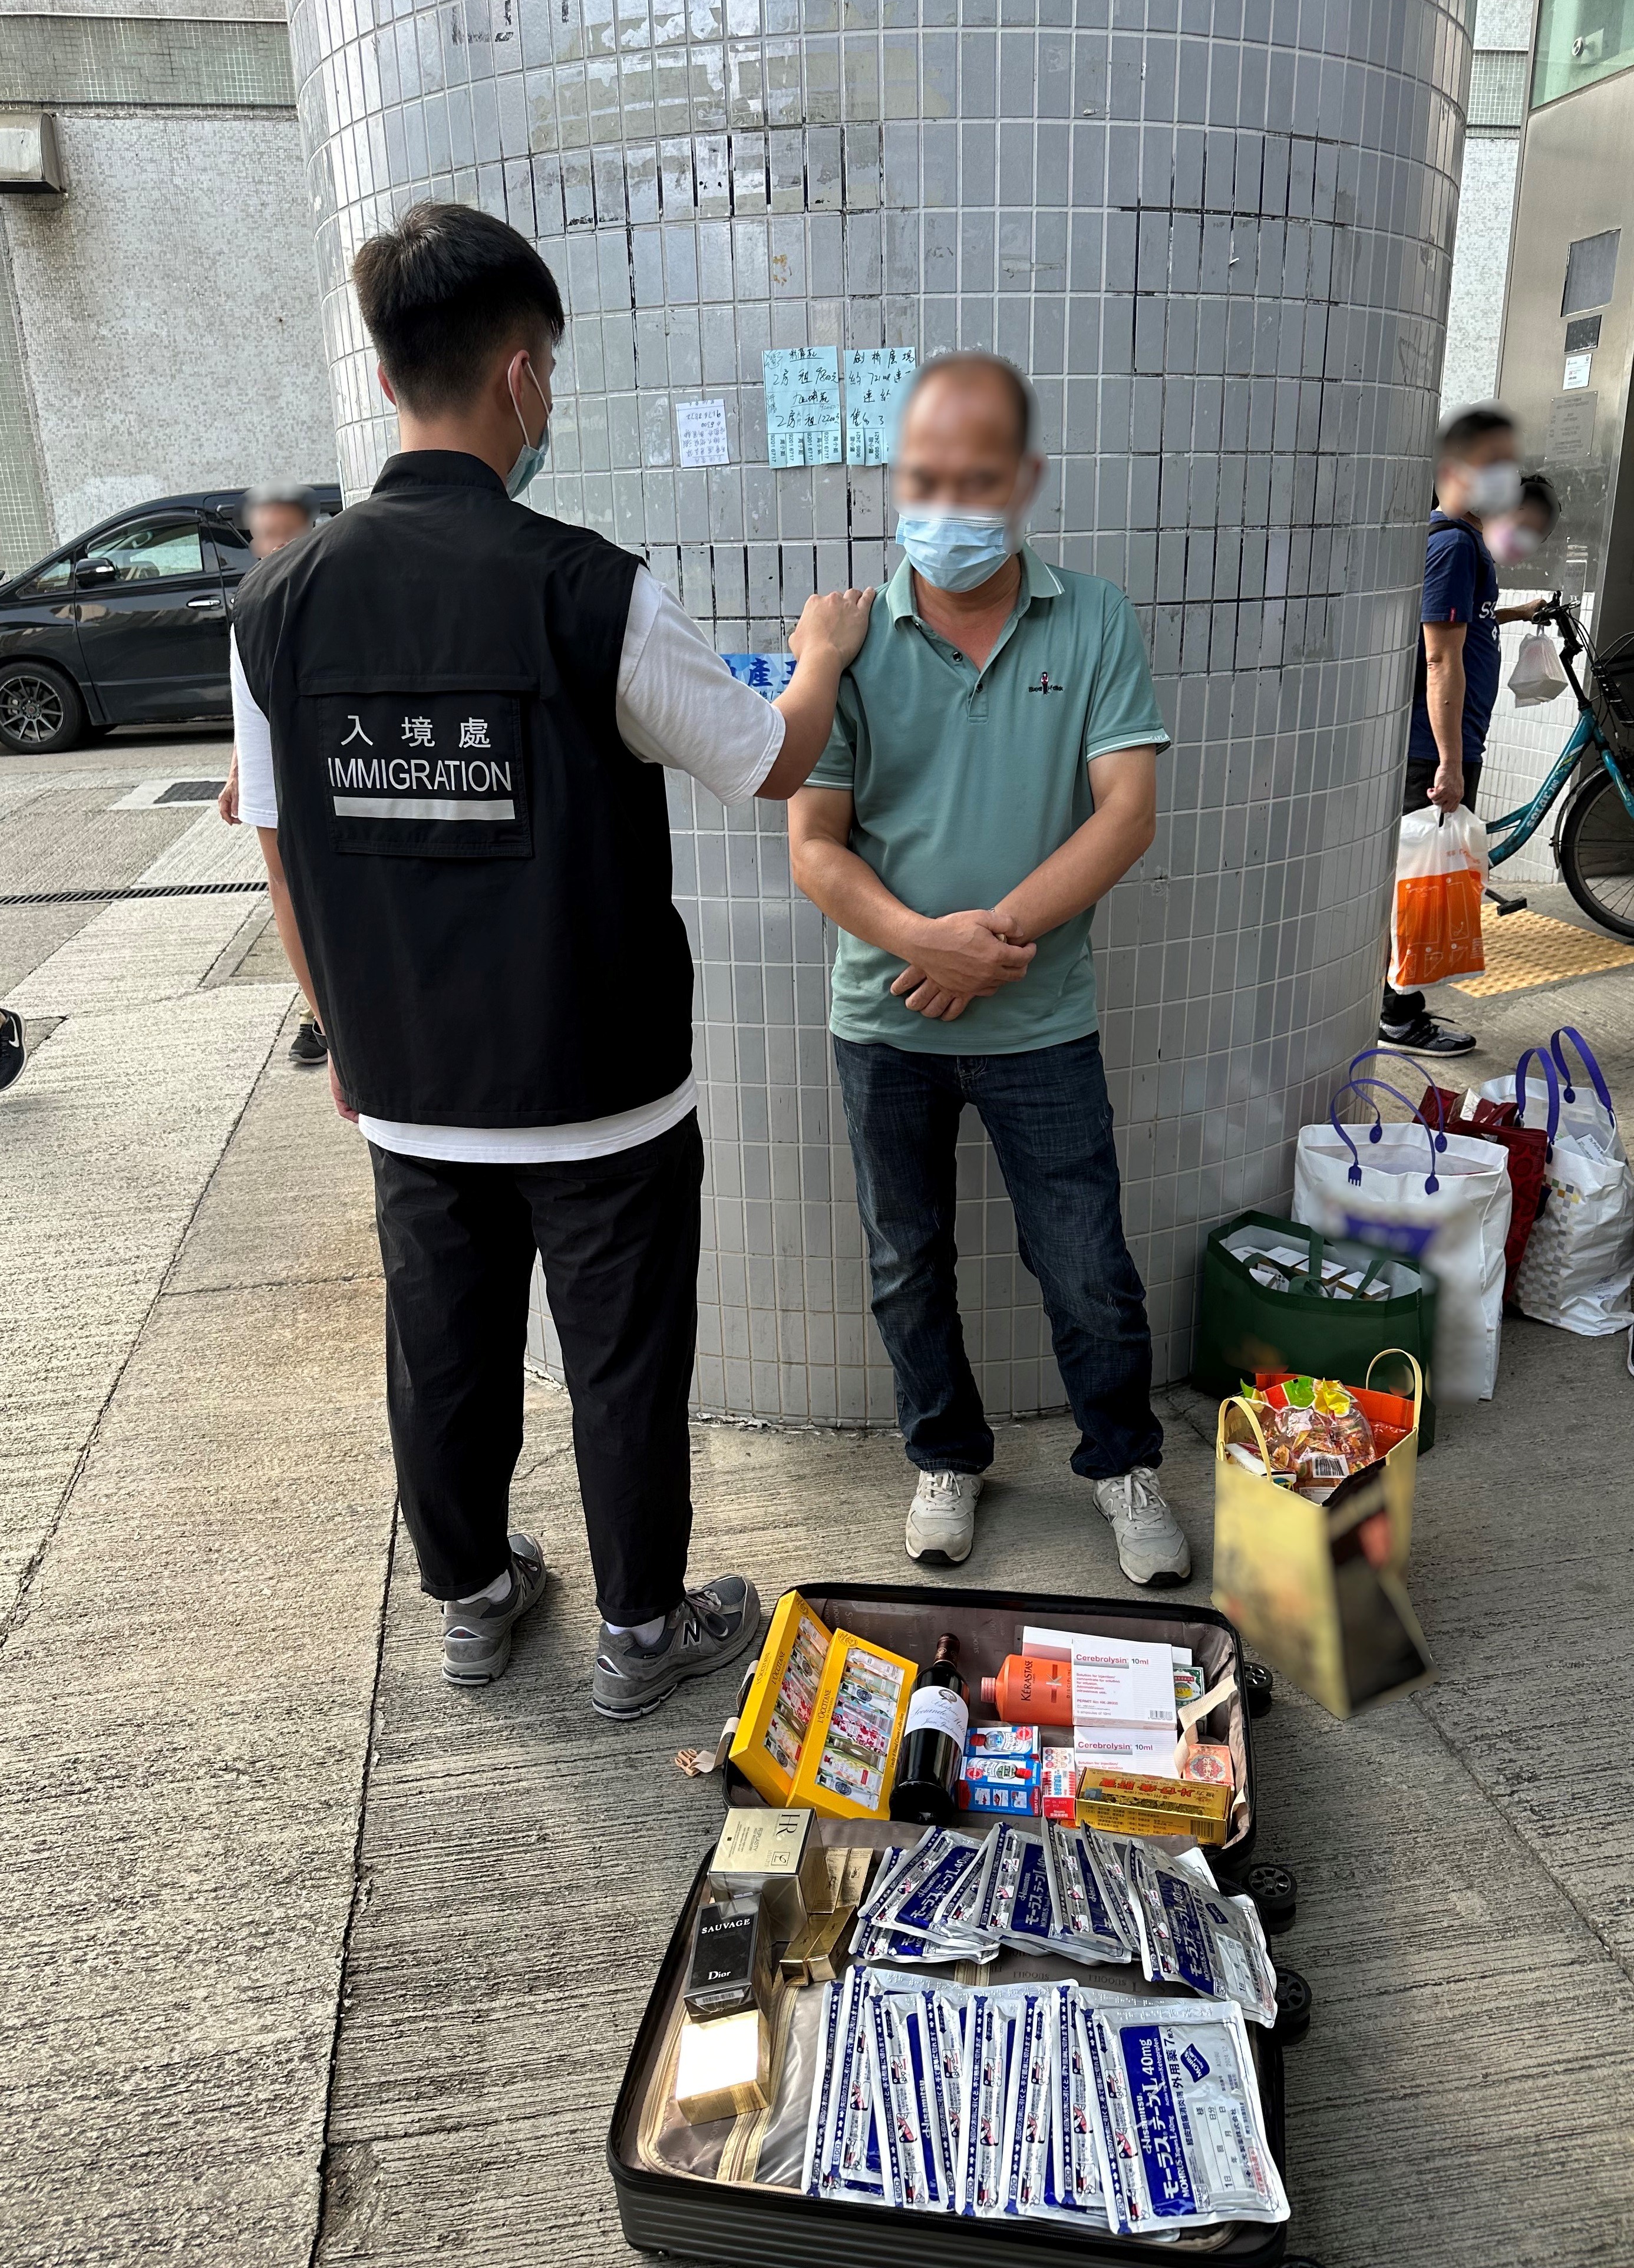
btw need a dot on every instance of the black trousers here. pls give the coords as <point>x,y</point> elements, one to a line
<point>1403,1007</point>
<point>619,1240</point>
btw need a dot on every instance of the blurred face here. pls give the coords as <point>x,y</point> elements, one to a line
<point>1516,535</point>
<point>1483,479</point>
<point>959,448</point>
<point>272,525</point>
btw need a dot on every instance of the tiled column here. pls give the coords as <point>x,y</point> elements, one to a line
<point>1217,236</point>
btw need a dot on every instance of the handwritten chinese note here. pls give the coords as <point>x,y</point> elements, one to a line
<point>875,379</point>
<point>701,428</point>
<point>767,673</point>
<point>802,405</point>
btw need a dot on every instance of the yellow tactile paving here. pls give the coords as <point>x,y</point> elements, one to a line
<point>1526,949</point>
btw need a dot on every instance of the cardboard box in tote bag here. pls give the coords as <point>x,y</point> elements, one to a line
<point>1246,1326</point>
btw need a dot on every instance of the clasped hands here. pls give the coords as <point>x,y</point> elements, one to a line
<point>958,958</point>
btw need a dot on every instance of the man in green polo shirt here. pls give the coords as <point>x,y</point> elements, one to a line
<point>992,773</point>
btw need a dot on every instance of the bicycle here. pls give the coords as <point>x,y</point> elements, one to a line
<point>1594,840</point>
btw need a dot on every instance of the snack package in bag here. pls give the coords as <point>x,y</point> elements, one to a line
<point>1538,675</point>
<point>1435,925</point>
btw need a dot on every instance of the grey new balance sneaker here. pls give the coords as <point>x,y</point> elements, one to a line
<point>941,1519</point>
<point>709,1629</point>
<point>1150,1546</point>
<point>476,1635</point>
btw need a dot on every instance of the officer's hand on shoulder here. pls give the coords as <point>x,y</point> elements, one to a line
<point>833,618</point>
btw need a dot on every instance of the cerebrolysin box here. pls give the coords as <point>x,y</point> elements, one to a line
<point>1121,1682</point>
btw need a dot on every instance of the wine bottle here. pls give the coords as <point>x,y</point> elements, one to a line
<point>931,1756</point>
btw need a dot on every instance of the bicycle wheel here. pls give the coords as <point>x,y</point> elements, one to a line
<point>1597,854</point>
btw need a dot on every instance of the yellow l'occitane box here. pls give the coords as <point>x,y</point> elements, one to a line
<point>847,1758</point>
<point>772,1727</point>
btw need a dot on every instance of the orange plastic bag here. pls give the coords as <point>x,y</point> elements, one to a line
<point>1441,871</point>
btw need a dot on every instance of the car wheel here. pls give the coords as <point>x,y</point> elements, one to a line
<point>40,711</point>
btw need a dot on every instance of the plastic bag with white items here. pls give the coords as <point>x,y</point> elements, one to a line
<point>1437,1197</point>
<point>1579,1265</point>
<point>1539,673</point>
<point>1435,914</point>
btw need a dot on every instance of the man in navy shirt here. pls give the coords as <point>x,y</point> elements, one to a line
<point>1477,478</point>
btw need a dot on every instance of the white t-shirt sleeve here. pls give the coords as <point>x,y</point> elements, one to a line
<point>258,793</point>
<point>678,704</point>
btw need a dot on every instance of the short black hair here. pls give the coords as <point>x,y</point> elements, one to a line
<point>972,358</point>
<point>1459,433</point>
<point>1534,489</point>
<point>442,292</point>
<point>293,493</point>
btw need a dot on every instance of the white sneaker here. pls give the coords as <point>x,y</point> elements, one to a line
<point>941,1519</point>
<point>1151,1546</point>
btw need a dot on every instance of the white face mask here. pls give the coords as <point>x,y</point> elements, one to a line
<point>1510,542</point>
<point>1493,488</point>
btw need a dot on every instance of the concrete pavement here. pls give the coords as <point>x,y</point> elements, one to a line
<point>306,1957</point>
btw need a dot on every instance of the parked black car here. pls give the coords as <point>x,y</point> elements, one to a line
<point>126,625</point>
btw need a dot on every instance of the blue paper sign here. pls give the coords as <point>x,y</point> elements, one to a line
<point>766,672</point>
<point>802,405</point>
<point>875,380</point>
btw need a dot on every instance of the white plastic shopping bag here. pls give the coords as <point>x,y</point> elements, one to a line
<point>1442,1198</point>
<point>1538,674</point>
<point>1579,1257</point>
<point>1435,918</point>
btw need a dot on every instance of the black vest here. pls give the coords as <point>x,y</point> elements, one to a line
<point>479,866</point>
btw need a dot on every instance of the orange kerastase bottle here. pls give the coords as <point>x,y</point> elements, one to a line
<point>1028,1692</point>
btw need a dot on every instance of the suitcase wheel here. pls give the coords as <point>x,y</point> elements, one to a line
<point>1257,1688</point>
<point>1293,2006</point>
<point>1275,1892</point>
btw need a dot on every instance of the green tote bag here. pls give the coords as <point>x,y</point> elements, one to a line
<point>1244,1326</point>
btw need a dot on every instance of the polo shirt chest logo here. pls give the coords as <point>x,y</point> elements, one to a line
<point>1046,683</point>
<point>425,774</point>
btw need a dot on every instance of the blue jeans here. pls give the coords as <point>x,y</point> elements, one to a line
<point>1048,1117</point>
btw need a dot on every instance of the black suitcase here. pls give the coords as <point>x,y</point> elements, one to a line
<point>711,2213</point>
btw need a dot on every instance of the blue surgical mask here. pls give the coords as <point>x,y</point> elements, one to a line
<point>533,452</point>
<point>956,550</point>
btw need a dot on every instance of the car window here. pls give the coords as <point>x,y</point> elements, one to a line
<point>234,554</point>
<point>57,577</point>
<point>142,550</point>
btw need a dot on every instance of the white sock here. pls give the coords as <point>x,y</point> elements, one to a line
<point>643,1633</point>
<point>490,1593</point>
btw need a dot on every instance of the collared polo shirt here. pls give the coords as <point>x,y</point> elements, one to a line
<point>965,780</point>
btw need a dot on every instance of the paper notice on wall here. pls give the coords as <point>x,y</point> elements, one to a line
<point>766,672</point>
<point>802,405</point>
<point>875,380</point>
<point>1577,370</point>
<point>701,430</point>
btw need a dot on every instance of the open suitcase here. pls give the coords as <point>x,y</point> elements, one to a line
<point>730,2191</point>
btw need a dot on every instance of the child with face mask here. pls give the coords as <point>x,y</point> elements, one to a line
<point>1516,536</point>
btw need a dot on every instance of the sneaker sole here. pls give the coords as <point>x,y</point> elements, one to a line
<point>933,1556</point>
<point>1432,1055</point>
<point>452,1676</point>
<point>648,1702</point>
<point>1165,1580</point>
